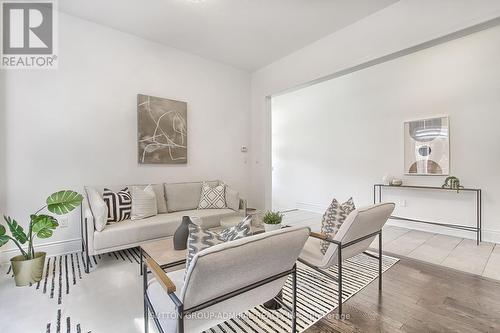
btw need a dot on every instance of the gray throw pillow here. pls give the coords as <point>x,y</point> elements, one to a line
<point>200,239</point>
<point>333,218</point>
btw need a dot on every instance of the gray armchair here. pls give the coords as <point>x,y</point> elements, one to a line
<point>354,237</point>
<point>224,280</point>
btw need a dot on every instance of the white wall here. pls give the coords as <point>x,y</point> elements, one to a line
<point>348,132</point>
<point>403,25</point>
<point>77,125</point>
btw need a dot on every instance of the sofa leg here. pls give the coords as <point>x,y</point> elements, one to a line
<point>87,259</point>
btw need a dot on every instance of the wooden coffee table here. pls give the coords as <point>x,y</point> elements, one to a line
<point>163,253</point>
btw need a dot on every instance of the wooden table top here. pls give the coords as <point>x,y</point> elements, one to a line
<point>162,251</point>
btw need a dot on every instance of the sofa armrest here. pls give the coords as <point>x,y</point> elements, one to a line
<point>88,222</point>
<point>243,205</point>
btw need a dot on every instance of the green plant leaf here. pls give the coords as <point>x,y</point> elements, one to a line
<point>16,230</point>
<point>63,202</point>
<point>272,217</point>
<point>43,225</point>
<point>3,237</point>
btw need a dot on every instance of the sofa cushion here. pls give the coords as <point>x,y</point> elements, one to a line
<point>184,196</point>
<point>159,226</point>
<point>132,232</point>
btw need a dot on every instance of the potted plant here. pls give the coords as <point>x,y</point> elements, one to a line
<point>28,267</point>
<point>272,220</point>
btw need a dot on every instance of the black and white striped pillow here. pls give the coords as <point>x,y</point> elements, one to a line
<point>119,204</point>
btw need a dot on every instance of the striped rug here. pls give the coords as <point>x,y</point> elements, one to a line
<point>66,293</point>
<point>316,297</point>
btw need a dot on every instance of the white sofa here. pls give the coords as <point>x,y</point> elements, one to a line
<point>180,199</point>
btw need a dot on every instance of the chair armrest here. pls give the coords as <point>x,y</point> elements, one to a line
<point>318,235</point>
<point>160,276</point>
<point>323,237</point>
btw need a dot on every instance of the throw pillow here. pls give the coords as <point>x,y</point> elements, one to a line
<point>333,218</point>
<point>212,197</point>
<point>232,199</point>
<point>144,202</point>
<point>98,208</point>
<point>200,239</point>
<point>119,204</point>
<point>161,202</point>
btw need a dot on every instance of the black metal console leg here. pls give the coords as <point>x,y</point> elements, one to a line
<point>340,279</point>
<point>380,260</point>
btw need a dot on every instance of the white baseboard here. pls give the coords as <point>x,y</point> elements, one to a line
<point>311,207</point>
<point>492,236</point>
<point>52,249</point>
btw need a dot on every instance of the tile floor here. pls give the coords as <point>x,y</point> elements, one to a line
<point>457,253</point>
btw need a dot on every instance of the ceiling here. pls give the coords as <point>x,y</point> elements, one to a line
<point>246,34</point>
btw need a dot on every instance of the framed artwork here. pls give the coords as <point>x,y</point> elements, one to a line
<point>161,130</point>
<point>427,146</point>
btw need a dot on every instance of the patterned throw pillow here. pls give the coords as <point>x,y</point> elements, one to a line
<point>333,218</point>
<point>119,204</point>
<point>200,239</point>
<point>212,197</point>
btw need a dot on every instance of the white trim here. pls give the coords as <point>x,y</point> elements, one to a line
<point>52,249</point>
<point>492,236</point>
<point>489,235</point>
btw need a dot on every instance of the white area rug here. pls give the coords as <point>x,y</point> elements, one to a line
<point>109,299</point>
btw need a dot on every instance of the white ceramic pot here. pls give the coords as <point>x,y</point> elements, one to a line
<point>271,227</point>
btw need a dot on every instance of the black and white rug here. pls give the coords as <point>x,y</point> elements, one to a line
<point>109,299</point>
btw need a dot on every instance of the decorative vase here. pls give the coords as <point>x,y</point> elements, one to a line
<point>271,227</point>
<point>181,234</point>
<point>28,271</point>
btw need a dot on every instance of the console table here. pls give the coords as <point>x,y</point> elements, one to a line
<point>377,197</point>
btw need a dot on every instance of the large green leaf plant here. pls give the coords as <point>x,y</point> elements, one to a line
<point>40,225</point>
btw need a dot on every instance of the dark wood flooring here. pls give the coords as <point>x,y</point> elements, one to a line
<point>421,297</point>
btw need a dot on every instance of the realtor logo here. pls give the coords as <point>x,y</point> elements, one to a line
<point>28,34</point>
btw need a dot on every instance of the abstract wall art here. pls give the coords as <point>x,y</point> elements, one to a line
<point>162,130</point>
<point>427,146</point>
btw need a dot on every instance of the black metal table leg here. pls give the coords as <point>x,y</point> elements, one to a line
<point>380,260</point>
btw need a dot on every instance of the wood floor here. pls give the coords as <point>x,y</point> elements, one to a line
<point>421,297</point>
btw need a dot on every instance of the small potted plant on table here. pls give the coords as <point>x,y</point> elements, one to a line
<point>272,220</point>
<point>28,267</point>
